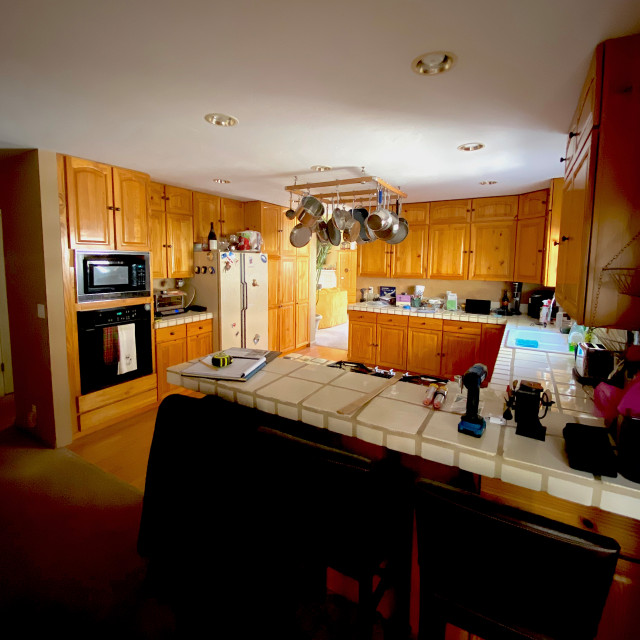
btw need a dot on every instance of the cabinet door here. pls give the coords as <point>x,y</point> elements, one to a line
<point>491,339</point>
<point>533,204</point>
<point>391,348</point>
<point>575,236</point>
<point>131,198</point>
<point>416,213</point>
<point>448,251</point>
<point>302,324</point>
<point>287,327</point>
<point>271,230</point>
<point>302,280</point>
<point>178,200</point>
<point>459,352</point>
<point>347,272</point>
<point>450,211</point>
<point>530,246</point>
<point>179,245</point>
<point>492,250</point>
<point>409,259</point>
<point>500,208</point>
<point>158,234</point>
<point>90,203</point>
<point>168,354</point>
<point>274,330</point>
<point>552,241</point>
<point>374,259</point>
<point>424,349</point>
<point>232,219</point>
<point>206,209</point>
<point>199,345</point>
<point>156,197</point>
<point>362,342</point>
<point>286,226</point>
<point>273,274</point>
<point>287,281</point>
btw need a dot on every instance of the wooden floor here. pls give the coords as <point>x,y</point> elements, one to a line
<point>123,448</point>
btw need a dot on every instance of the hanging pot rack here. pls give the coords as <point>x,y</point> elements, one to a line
<point>377,184</point>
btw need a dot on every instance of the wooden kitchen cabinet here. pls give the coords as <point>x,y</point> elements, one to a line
<point>553,232</point>
<point>206,209</point>
<point>171,245</point>
<point>232,217</point>
<point>490,341</point>
<point>416,213</point>
<point>460,347</point>
<point>448,257</point>
<point>346,273</point>
<point>171,349</point>
<point>492,250</point>
<point>530,249</point>
<point>405,260</point>
<point>391,341</point>
<point>497,208</point>
<point>282,303</point>
<point>199,339</point>
<point>533,204</point>
<point>107,206</point>
<point>600,225</point>
<point>424,346</point>
<point>267,219</point>
<point>450,211</point>
<point>362,337</point>
<point>302,324</point>
<point>170,199</point>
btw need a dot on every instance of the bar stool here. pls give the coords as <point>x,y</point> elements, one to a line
<point>345,511</point>
<point>499,572</point>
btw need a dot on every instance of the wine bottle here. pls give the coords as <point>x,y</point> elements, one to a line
<point>504,305</point>
<point>213,241</point>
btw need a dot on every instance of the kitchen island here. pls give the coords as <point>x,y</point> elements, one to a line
<point>531,474</point>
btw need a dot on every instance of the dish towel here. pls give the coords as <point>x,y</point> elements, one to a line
<point>110,345</point>
<point>127,348</point>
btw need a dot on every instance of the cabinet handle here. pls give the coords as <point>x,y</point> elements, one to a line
<point>470,251</point>
<point>572,134</point>
<point>555,243</point>
<point>539,250</point>
<point>110,208</point>
<point>565,238</point>
<point>117,208</point>
<point>172,333</point>
<point>169,246</point>
<point>563,159</point>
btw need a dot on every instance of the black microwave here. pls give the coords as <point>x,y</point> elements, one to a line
<point>112,275</point>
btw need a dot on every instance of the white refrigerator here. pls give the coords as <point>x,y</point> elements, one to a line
<point>233,286</point>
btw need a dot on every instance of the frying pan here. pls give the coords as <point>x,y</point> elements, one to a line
<point>333,233</point>
<point>300,235</point>
<point>361,215</point>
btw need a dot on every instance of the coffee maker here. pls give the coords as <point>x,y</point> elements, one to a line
<point>516,293</point>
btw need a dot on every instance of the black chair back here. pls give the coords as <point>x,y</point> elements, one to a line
<point>500,572</point>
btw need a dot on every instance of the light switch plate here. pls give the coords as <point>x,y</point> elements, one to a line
<point>41,311</point>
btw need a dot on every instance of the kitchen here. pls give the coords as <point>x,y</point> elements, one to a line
<point>34,258</point>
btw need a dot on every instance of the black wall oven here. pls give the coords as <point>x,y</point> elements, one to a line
<point>112,275</point>
<point>114,346</point>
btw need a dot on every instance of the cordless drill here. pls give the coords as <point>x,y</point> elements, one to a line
<point>471,422</point>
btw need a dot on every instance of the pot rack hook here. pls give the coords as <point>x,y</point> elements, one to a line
<point>363,181</point>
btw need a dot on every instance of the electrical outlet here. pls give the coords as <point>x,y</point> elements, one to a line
<point>41,311</point>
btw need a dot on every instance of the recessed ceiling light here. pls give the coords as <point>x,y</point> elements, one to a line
<point>221,181</point>
<point>471,146</point>
<point>434,62</point>
<point>488,182</point>
<point>221,119</point>
<point>320,167</point>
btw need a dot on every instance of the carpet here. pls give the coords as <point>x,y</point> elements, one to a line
<point>68,533</point>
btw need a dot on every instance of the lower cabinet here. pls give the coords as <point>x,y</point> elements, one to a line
<point>427,346</point>
<point>178,344</point>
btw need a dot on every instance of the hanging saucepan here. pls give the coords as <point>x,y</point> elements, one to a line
<point>398,234</point>
<point>381,219</point>
<point>333,233</point>
<point>361,216</point>
<point>351,232</point>
<point>309,211</point>
<point>300,235</point>
<point>322,232</point>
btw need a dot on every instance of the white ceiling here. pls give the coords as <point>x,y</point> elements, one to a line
<point>128,82</point>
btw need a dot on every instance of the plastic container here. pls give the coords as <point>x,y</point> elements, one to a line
<point>440,396</point>
<point>452,301</point>
<point>429,393</point>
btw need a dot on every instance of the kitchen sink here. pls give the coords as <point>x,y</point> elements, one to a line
<point>538,340</point>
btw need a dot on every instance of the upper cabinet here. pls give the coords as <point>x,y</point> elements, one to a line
<point>600,227</point>
<point>206,209</point>
<point>499,208</point>
<point>107,206</point>
<point>492,250</point>
<point>170,199</point>
<point>231,217</point>
<point>275,227</point>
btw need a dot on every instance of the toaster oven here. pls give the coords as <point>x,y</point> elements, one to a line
<point>593,361</point>
<point>169,302</point>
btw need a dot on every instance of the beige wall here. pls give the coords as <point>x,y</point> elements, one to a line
<point>33,262</point>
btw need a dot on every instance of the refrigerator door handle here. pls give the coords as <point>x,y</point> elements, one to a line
<point>245,296</point>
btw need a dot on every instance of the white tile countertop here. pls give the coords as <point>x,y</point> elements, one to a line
<point>305,389</point>
<point>182,318</point>
<point>440,315</point>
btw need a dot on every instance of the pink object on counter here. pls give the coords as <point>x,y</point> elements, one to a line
<point>606,399</point>
<point>629,405</point>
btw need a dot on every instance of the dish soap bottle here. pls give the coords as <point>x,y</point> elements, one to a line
<point>212,240</point>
